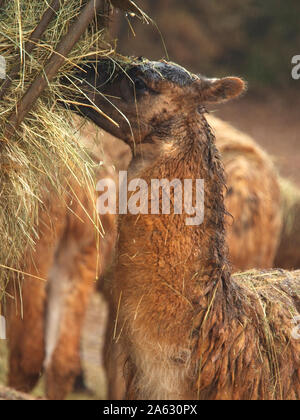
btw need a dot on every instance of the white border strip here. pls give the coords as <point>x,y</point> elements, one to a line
<point>2,67</point>
<point>2,328</point>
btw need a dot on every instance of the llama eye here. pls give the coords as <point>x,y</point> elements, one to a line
<point>140,85</point>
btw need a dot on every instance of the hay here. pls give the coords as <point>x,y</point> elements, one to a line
<point>276,294</point>
<point>275,285</point>
<point>39,156</point>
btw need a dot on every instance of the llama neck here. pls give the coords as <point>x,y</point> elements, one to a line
<point>198,149</point>
<point>144,155</point>
<point>189,152</point>
<point>209,285</point>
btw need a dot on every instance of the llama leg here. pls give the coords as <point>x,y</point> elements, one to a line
<point>26,312</point>
<point>25,334</point>
<point>71,286</point>
<point>114,364</point>
<point>26,320</point>
<point>114,360</point>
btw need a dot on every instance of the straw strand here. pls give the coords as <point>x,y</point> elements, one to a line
<point>30,44</point>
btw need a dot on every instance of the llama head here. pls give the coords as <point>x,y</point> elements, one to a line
<point>146,98</point>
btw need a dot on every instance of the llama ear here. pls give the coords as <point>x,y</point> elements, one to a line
<point>221,90</point>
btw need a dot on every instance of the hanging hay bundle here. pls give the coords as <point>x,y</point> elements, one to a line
<point>39,152</point>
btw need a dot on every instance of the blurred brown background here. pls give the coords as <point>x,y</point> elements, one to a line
<point>254,39</point>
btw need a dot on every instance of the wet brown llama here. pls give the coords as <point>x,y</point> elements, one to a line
<point>183,327</point>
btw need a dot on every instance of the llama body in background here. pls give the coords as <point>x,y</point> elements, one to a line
<point>45,325</point>
<point>252,199</point>
<point>288,252</point>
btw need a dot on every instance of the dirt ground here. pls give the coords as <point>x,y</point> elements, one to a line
<point>273,121</point>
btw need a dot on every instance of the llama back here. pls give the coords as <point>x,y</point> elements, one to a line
<point>288,253</point>
<point>252,198</point>
<point>255,354</point>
